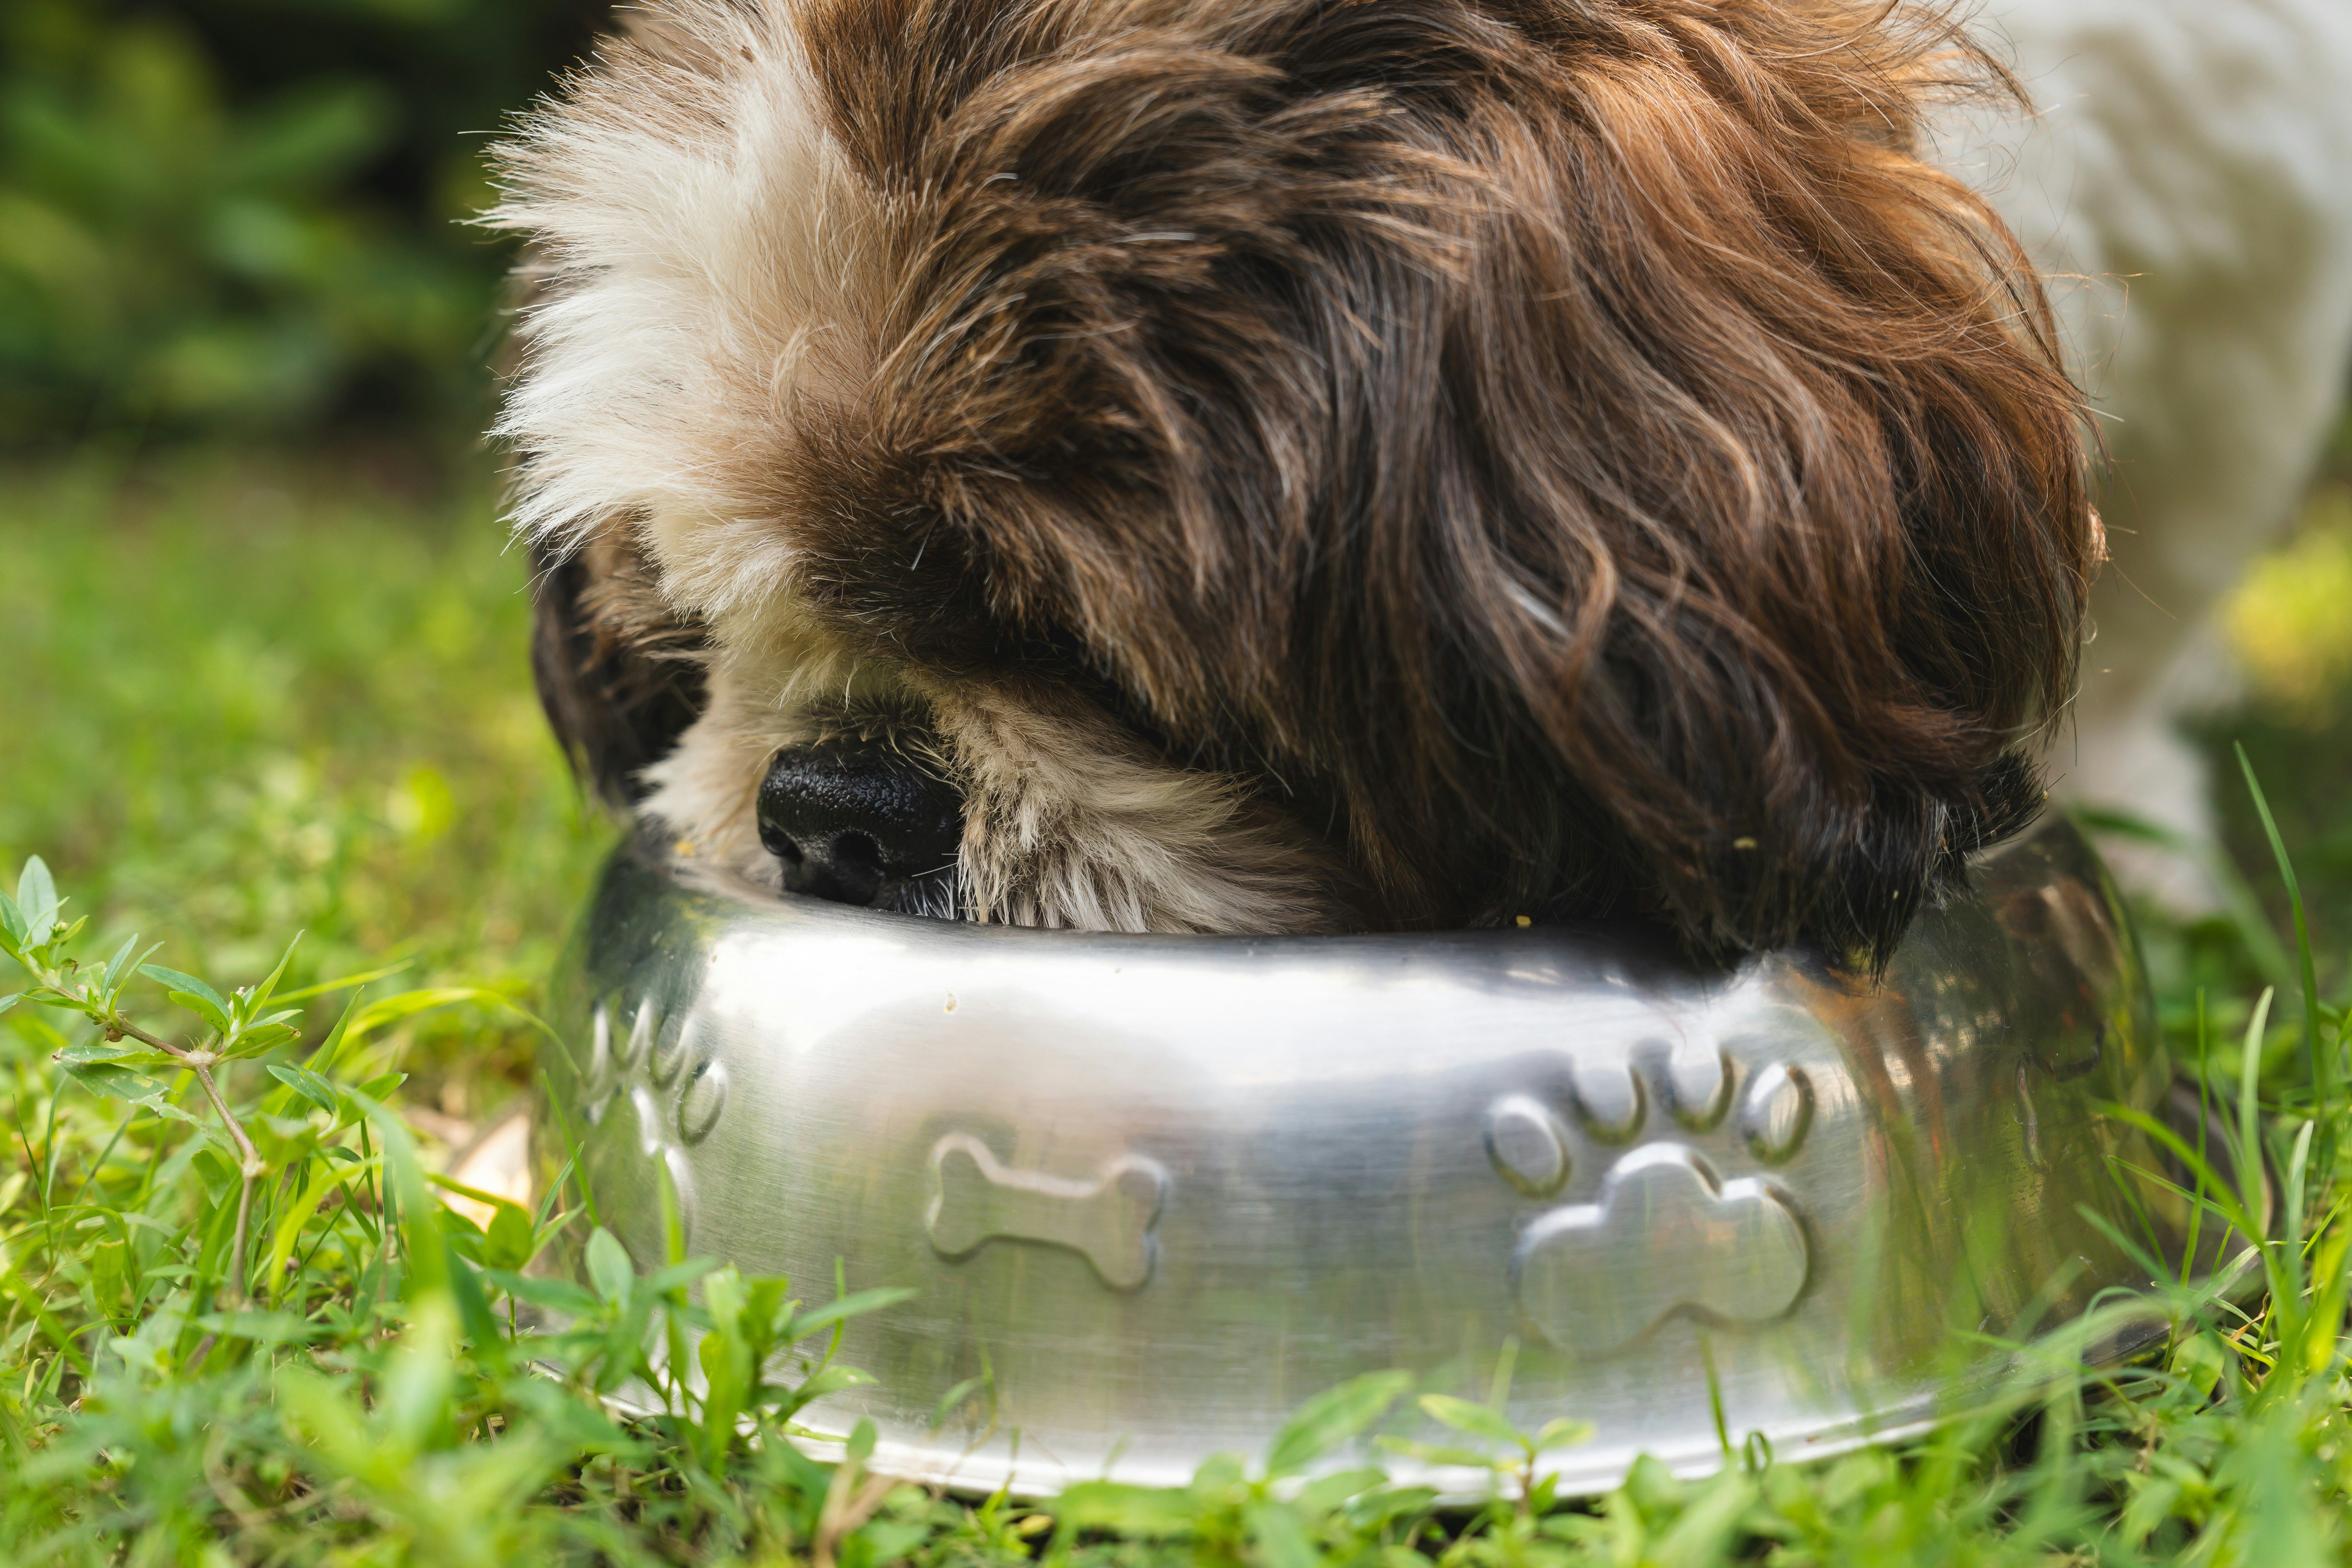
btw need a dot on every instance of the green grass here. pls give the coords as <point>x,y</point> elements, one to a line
<point>243,700</point>
<point>239,700</point>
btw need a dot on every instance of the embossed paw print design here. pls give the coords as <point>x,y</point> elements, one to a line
<point>1665,1232</point>
<point>675,1087</point>
<point>1109,1220</point>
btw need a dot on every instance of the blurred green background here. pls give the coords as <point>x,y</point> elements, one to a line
<point>263,662</point>
<point>245,217</point>
<point>263,656</point>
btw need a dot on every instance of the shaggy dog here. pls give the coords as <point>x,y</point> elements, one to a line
<point>1297,465</point>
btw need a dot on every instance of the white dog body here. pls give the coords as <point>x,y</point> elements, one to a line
<point>2188,185</point>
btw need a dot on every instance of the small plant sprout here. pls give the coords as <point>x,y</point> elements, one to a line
<point>237,1027</point>
<point>1500,1447</point>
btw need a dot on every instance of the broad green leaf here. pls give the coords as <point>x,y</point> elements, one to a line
<point>724,1295</point>
<point>1280,1535</point>
<point>1564,1433</point>
<point>1710,1521</point>
<point>173,979</point>
<point>1370,1511</point>
<point>609,1269</point>
<point>83,1052</point>
<point>114,1081</point>
<point>849,1306</point>
<point>832,1380</point>
<point>1151,1513</point>
<point>218,1174</point>
<point>203,1007</point>
<point>510,1237</point>
<point>684,1272</point>
<point>13,926</point>
<point>512,1243</point>
<point>260,1037</point>
<point>1334,1416</point>
<point>1464,1416</point>
<point>725,1381</point>
<point>37,898</point>
<point>1437,1453</point>
<point>1326,1492</point>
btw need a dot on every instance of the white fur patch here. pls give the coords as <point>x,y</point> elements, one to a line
<point>708,264</point>
<point>1071,822</point>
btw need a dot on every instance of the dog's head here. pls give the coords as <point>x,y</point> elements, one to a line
<point>1264,465</point>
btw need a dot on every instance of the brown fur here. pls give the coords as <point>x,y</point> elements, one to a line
<point>1565,456</point>
<point>619,673</point>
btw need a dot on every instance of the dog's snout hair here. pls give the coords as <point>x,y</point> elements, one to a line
<point>1300,465</point>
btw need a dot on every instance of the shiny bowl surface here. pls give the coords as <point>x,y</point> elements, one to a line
<point>1154,1192</point>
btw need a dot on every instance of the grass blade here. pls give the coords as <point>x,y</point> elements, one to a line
<point>2314,1059</point>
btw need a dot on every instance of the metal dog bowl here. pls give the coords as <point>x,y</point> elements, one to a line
<point>1156,1190</point>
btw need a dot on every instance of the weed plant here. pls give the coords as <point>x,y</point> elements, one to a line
<point>239,1325</point>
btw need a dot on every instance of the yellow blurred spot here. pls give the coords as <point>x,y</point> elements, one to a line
<point>421,806</point>
<point>685,849</point>
<point>1522,921</point>
<point>2289,622</point>
<point>1743,844</point>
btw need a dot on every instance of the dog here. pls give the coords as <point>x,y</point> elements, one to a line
<point>2185,181</point>
<point>1266,465</point>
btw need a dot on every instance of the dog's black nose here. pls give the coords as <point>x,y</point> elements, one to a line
<point>859,823</point>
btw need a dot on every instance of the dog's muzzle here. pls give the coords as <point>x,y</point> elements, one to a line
<point>859,823</point>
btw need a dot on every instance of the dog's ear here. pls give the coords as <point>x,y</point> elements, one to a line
<point>619,672</point>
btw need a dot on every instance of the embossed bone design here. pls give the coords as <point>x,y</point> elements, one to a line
<point>1668,1234</point>
<point>1109,1220</point>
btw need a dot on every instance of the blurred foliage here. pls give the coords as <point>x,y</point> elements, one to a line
<point>247,699</point>
<point>241,699</point>
<point>2290,624</point>
<point>245,216</point>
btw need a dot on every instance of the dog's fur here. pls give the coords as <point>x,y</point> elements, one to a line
<point>1307,464</point>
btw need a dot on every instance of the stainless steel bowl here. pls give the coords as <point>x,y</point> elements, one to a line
<point>1156,1190</point>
